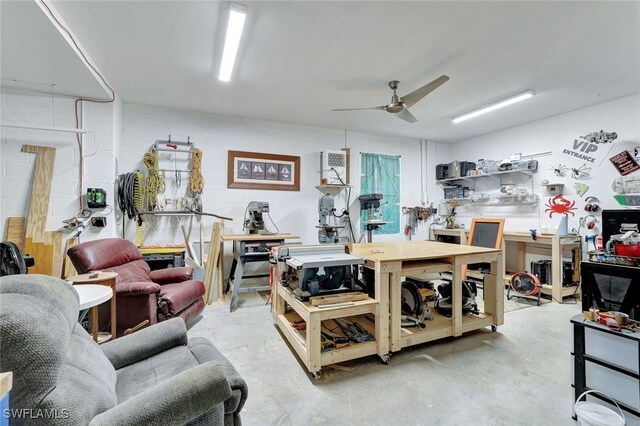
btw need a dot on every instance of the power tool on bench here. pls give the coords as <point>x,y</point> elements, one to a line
<point>318,270</point>
<point>254,223</point>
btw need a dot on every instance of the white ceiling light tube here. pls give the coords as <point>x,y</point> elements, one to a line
<point>492,107</point>
<point>237,16</point>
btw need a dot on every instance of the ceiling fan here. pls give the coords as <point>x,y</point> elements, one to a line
<point>400,106</point>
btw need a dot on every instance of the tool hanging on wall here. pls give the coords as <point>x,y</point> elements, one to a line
<point>413,216</point>
<point>130,200</point>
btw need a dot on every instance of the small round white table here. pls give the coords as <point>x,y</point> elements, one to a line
<point>109,279</point>
<point>90,296</point>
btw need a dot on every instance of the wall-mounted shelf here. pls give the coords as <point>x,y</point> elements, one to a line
<point>457,200</point>
<point>493,199</point>
<point>496,174</point>
<point>332,190</point>
<point>497,200</point>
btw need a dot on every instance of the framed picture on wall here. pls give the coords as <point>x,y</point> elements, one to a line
<point>255,170</point>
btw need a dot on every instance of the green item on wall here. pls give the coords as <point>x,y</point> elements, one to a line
<point>581,188</point>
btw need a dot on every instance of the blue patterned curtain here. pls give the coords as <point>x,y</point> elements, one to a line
<point>380,173</point>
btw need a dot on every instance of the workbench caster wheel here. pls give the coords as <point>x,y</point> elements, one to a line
<point>494,328</point>
<point>385,359</point>
<point>316,374</point>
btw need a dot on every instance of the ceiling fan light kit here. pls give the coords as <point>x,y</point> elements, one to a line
<point>400,106</point>
<point>494,106</point>
<point>237,17</point>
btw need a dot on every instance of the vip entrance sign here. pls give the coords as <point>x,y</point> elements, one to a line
<point>591,148</point>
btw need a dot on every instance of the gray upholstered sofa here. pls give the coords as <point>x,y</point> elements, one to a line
<point>155,376</point>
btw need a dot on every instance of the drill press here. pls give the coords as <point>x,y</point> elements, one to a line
<point>327,231</point>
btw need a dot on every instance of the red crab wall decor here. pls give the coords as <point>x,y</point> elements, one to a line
<point>560,205</point>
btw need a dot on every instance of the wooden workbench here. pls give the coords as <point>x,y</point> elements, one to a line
<point>523,240</point>
<point>392,260</point>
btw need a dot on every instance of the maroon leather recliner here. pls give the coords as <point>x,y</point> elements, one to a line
<point>140,293</point>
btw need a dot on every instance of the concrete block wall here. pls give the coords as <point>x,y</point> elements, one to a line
<point>294,212</point>
<point>17,168</point>
<point>552,134</point>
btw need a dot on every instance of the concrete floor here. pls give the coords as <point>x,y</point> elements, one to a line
<point>519,375</point>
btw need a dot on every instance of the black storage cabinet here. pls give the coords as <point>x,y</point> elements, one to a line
<point>611,287</point>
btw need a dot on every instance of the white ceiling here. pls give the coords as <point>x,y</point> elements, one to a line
<point>33,52</point>
<point>300,59</point>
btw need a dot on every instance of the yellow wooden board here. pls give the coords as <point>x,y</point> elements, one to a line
<point>337,298</point>
<point>14,231</point>
<point>162,250</point>
<point>212,262</point>
<point>42,254</point>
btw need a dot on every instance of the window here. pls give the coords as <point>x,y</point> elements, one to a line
<point>380,173</point>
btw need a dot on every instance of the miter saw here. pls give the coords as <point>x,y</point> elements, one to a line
<point>318,270</point>
<point>414,304</point>
<point>254,223</point>
<point>444,304</point>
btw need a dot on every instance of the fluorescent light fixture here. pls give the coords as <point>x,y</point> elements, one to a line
<point>237,16</point>
<point>497,105</point>
<point>45,128</point>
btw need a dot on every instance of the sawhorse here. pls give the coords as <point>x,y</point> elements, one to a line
<point>250,248</point>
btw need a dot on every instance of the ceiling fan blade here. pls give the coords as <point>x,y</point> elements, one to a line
<point>405,115</point>
<point>358,109</point>
<point>412,98</point>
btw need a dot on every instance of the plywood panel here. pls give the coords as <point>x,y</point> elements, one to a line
<point>40,191</point>
<point>14,231</point>
<point>42,254</point>
<point>414,250</point>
